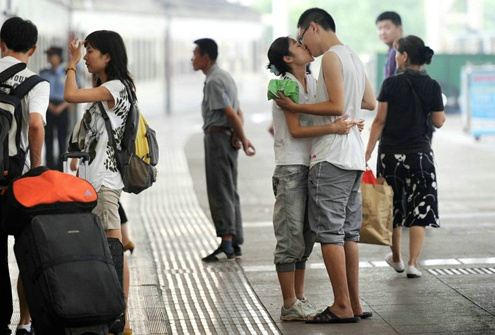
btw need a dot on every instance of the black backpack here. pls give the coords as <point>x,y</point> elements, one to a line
<point>12,157</point>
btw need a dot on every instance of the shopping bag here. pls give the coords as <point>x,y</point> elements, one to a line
<point>369,177</point>
<point>377,198</point>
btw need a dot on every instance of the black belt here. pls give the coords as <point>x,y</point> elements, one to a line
<point>216,129</point>
<point>55,101</point>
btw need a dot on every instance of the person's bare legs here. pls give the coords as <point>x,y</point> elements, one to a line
<point>396,243</point>
<point>335,262</point>
<point>292,284</point>
<point>125,236</point>
<point>299,283</point>
<point>352,267</point>
<point>286,280</point>
<point>416,238</point>
<point>25,315</point>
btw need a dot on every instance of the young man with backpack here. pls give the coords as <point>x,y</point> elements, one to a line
<point>18,39</point>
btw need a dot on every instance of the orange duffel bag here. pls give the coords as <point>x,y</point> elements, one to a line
<point>43,191</point>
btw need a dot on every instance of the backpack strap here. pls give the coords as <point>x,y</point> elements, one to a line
<point>19,92</point>
<point>111,140</point>
<point>11,71</point>
<point>26,86</point>
<point>130,93</point>
<point>108,125</point>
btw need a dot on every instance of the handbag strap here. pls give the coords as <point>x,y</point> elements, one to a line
<point>416,95</point>
<point>417,99</point>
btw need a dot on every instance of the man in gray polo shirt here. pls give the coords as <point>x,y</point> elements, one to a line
<point>224,136</point>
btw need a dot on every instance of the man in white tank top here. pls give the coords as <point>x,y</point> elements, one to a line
<point>337,162</point>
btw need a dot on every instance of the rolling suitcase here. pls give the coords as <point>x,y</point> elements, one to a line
<point>69,276</point>
<point>116,327</point>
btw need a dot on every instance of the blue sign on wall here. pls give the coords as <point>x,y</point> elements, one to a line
<point>480,101</point>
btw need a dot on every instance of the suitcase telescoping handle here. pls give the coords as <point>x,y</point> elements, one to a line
<point>84,156</point>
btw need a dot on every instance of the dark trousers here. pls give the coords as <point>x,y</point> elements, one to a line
<point>56,124</point>
<point>221,184</point>
<point>6,304</point>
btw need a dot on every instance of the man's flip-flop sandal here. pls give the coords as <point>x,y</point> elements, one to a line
<point>328,317</point>
<point>365,315</point>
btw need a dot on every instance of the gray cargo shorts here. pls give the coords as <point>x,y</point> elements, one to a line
<point>290,220</point>
<point>335,205</point>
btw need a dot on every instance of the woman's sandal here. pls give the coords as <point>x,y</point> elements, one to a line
<point>328,317</point>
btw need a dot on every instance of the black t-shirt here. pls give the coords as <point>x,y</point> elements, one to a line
<point>406,128</point>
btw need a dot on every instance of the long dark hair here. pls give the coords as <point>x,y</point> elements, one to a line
<point>111,43</point>
<point>418,53</point>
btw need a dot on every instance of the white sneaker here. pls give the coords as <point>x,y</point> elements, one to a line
<point>397,266</point>
<point>299,311</point>
<point>412,272</point>
<point>309,308</point>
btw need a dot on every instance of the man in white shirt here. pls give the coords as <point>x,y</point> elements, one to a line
<point>18,39</point>
<point>337,162</point>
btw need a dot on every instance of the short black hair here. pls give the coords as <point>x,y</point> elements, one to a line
<point>207,46</point>
<point>19,35</point>
<point>317,15</point>
<point>392,16</point>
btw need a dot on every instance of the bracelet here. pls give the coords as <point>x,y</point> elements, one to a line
<point>70,69</point>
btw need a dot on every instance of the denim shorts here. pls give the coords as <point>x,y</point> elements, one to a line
<point>290,220</point>
<point>335,203</point>
<point>107,207</point>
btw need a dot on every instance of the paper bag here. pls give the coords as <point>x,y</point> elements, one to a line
<point>377,211</point>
